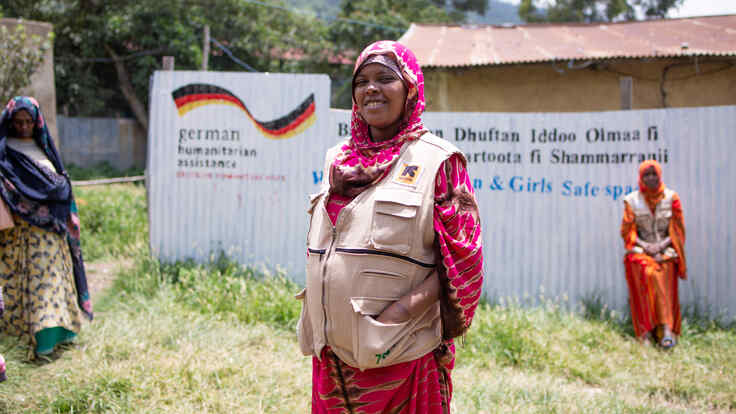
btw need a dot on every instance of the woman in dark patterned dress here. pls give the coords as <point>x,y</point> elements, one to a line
<point>41,267</point>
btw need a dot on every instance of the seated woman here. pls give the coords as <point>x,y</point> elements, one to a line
<point>653,230</point>
<point>41,271</point>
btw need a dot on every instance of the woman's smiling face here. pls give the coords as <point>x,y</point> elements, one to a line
<point>380,96</point>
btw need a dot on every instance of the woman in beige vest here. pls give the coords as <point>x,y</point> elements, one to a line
<point>394,266</point>
<point>653,230</point>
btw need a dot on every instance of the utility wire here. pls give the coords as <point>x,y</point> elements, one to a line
<point>231,56</point>
<point>109,60</point>
<point>344,19</point>
<point>226,50</point>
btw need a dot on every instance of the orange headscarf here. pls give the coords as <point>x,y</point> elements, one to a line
<point>651,196</point>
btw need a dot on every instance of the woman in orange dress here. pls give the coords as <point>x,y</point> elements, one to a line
<point>653,230</point>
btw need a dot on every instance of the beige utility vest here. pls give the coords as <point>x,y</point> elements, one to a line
<point>651,227</point>
<point>381,247</point>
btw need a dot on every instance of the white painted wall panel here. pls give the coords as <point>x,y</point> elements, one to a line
<point>569,246</point>
<point>242,210</point>
<point>552,241</point>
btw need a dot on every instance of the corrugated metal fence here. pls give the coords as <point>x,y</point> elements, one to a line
<point>550,186</point>
<point>217,181</point>
<point>89,141</point>
<point>551,201</point>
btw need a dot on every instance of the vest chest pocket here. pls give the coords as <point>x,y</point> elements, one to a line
<point>642,218</point>
<point>394,215</point>
<point>663,221</point>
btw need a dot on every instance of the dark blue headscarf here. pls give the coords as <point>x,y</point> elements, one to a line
<point>38,195</point>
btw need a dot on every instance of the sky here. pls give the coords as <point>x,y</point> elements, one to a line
<point>690,8</point>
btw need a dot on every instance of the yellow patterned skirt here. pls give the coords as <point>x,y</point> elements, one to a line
<point>37,280</point>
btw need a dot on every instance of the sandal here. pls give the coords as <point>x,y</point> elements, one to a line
<point>3,377</point>
<point>667,342</point>
<point>42,359</point>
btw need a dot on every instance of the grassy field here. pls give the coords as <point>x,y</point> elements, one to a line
<point>114,220</point>
<point>219,338</point>
<point>101,170</point>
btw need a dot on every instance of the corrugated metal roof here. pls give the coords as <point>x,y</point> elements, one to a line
<point>452,46</point>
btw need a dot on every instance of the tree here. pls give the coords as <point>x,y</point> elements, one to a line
<point>20,57</point>
<point>657,8</point>
<point>106,51</point>
<point>594,10</point>
<point>478,6</point>
<point>361,22</point>
<point>384,19</point>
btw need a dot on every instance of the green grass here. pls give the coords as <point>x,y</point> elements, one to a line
<point>114,220</point>
<point>101,170</point>
<point>220,287</point>
<point>150,351</point>
<point>554,360</point>
<point>219,338</point>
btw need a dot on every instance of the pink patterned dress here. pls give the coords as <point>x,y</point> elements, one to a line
<point>424,384</point>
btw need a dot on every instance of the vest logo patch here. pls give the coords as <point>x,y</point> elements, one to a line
<point>408,174</point>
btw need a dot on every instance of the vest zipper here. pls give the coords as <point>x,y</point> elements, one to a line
<point>389,254</point>
<point>324,280</point>
<point>654,222</point>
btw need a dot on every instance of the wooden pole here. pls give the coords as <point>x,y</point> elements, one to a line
<point>110,180</point>
<point>126,87</point>
<point>626,84</point>
<point>168,62</point>
<point>206,47</point>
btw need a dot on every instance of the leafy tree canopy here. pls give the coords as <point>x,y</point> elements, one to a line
<point>390,23</point>
<point>20,56</point>
<point>387,19</point>
<point>92,35</point>
<point>594,10</point>
<point>106,50</point>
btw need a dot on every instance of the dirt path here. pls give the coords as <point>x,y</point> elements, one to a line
<point>101,274</point>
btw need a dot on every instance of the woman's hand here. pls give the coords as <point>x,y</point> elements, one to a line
<point>650,248</point>
<point>73,225</point>
<point>395,313</point>
<point>654,249</point>
<point>413,303</point>
<point>664,244</point>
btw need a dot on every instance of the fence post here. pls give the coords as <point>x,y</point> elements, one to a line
<point>168,62</point>
<point>206,47</point>
<point>626,85</point>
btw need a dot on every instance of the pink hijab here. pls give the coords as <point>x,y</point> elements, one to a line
<point>362,162</point>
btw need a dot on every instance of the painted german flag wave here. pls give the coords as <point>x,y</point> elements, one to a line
<point>194,95</point>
